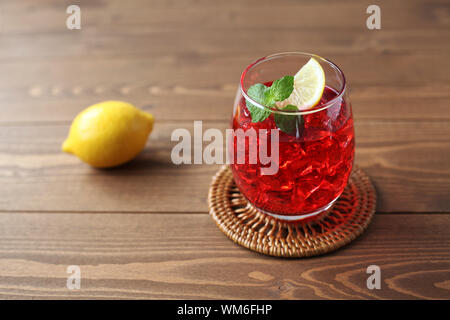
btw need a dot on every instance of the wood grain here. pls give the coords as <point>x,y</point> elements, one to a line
<point>156,256</point>
<point>382,85</point>
<point>61,99</point>
<point>235,14</point>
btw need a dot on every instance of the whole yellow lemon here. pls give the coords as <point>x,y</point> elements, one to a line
<point>108,134</point>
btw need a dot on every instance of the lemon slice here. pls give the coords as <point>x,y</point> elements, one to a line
<point>309,83</point>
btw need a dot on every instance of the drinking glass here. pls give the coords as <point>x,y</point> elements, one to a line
<point>315,157</point>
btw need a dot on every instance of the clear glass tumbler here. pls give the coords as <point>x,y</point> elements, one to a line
<point>315,157</point>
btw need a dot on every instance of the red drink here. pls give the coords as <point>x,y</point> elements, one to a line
<point>314,163</point>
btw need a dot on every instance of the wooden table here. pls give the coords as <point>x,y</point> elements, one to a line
<point>143,230</point>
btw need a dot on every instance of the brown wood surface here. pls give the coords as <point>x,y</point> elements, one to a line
<point>142,230</point>
<point>135,256</point>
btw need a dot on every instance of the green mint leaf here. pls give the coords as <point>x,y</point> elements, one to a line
<point>268,99</point>
<point>289,123</point>
<point>256,92</point>
<point>282,88</point>
<point>258,114</point>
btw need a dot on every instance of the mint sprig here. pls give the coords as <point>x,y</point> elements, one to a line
<point>280,90</point>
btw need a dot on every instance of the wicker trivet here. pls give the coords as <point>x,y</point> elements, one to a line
<point>247,226</point>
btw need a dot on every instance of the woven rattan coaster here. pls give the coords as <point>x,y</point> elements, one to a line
<point>247,226</point>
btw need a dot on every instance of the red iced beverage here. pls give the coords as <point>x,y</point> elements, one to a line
<point>315,160</point>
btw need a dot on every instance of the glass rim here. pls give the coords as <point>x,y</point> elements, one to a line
<point>290,112</point>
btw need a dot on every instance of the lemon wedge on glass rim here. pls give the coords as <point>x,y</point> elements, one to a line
<point>309,83</point>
